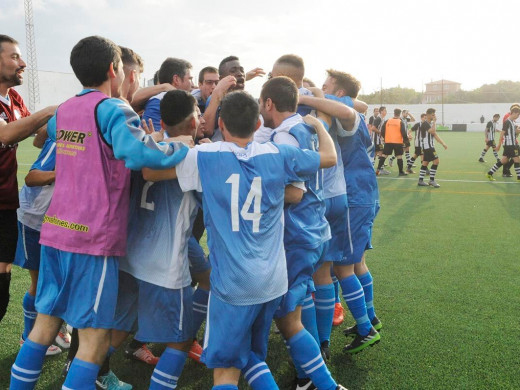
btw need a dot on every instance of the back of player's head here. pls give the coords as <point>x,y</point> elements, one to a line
<point>156,78</point>
<point>423,116</point>
<point>176,106</point>
<point>430,111</point>
<point>345,81</point>
<point>239,112</point>
<point>222,66</point>
<point>293,66</point>
<point>171,67</point>
<point>397,112</point>
<point>91,58</point>
<point>131,58</point>
<point>283,93</point>
<point>7,39</point>
<point>309,82</point>
<point>207,69</point>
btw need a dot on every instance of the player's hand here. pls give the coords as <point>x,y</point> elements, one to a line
<point>223,86</point>
<point>256,72</point>
<point>445,146</point>
<point>157,136</point>
<point>185,139</point>
<point>311,120</point>
<point>317,92</point>
<point>204,141</point>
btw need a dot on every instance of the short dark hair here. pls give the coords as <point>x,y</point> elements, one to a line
<point>397,111</point>
<point>131,58</point>
<point>346,82</point>
<point>496,116</point>
<point>382,108</point>
<point>207,69</point>
<point>176,106</point>
<point>423,115</point>
<point>309,81</point>
<point>430,111</point>
<point>283,93</point>
<point>293,60</point>
<point>224,61</point>
<point>8,39</point>
<point>171,67</point>
<point>156,78</point>
<point>239,112</point>
<point>91,58</point>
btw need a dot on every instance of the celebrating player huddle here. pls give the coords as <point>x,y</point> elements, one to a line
<point>288,195</point>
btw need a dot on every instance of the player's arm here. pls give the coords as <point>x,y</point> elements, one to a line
<point>412,118</point>
<point>403,131</point>
<point>360,106</point>
<point>217,95</point>
<point>328,157</point>
<point>375,126</point>
<point>142,95</point>
<point>159,174</point>
<point>38,178</point>
<point>40,137</point>
<point>501,139</point>
<point>13,132</point>
<point>256,72</point>
<point>293,194</point>
<point>345,114</point>
<point>433,132</point>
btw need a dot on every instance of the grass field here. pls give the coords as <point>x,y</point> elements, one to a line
<point>447,288</point>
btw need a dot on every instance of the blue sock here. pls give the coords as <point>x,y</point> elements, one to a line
<point>200,308</point>
<point>168,369</point>
<point>29,314</point>
<point>355,299</point>
<point>368,286</point>
<point>306,354</point>
<point>336,288</point>
<point>309,317</point>
<point>27,366</point>
<point>225,387</point>
<point>258,374</point>
<point>82,375</point>
<point>324,301</point>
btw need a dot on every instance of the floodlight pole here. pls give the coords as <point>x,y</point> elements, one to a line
<point>32,68</point>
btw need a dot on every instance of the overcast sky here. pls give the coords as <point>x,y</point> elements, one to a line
<point>406,43</point>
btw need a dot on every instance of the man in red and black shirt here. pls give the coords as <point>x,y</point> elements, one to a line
<point>12,108</point>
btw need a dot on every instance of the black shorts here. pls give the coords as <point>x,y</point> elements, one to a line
<point>8,235</point>
<point>430,154</point>
<point>492,144</point>
<point>389,148</point>
<point>406,143</point>
<point>511,151</point>
<point>418,151</point>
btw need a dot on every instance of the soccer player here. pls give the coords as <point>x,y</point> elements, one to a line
<point>406,117</point>
<point>35,197</point>
<point>15,126</point>
<point>245,231</point>
<point>305,239</point>
<point>508,136</point>
<point>417,145</point>
<point>427,134</point>
<point>176,72</point>
<point>155,272</point>
<point>489,138</point>
<point>81,243</point>
<point>377,140</point>
<point>208,80</point>
<point>363,203</point>
<point>394,133</point>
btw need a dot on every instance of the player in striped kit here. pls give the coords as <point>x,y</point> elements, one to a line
<point>508,136</point>
<point>427,134</point>
<point>489,134</point>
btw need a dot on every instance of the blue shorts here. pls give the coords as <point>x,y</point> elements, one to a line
<point>360,221</point>
<point>198,261</point>
<point>80,289</point>
<point>160,314</point>
<point>233,332</point>
<point>300,283</point>
<point>28,248</point>
<point>336,215</point>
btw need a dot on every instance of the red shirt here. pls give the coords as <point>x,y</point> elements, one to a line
<point>10,110</point>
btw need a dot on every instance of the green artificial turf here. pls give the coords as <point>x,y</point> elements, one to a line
<point>446,281</point>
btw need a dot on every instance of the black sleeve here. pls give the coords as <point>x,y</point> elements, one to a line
<point>383,129</point>
<point>403,131</point>
<point>371,120</point>
<point>425,126</point>
<point>489,126</point>
<point>377,122</point>
<point>416,126</point>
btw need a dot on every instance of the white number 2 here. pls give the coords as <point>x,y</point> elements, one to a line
<point>144,204</point>
<point>254,195</point>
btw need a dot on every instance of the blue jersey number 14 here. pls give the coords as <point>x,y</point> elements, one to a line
<point>254,196</point>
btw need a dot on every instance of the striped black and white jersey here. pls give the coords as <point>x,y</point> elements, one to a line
<point>510,134</point>
<point>417,139</point>
<point>427,140</point>
<point>378,123</point>
<point>490,130</point>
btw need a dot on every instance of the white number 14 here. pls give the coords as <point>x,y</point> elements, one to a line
<point>254,195</point>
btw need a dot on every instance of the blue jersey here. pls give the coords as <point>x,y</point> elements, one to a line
<point>362,189</point>
<point>305,223</point>
<point>243,196</point>
<point>34,201</point>
<point>152,110</point>
<point>159,227</point>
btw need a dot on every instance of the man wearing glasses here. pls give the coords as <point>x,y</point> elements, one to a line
<point>208,80</point>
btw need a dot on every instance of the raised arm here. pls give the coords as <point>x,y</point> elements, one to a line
<point>217,95</point>
<point>328,157</point>
<point>143,94</point>
<point>345,114</point>
<point>13,132</point>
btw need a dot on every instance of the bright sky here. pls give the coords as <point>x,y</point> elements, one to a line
<point>400,42</point>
